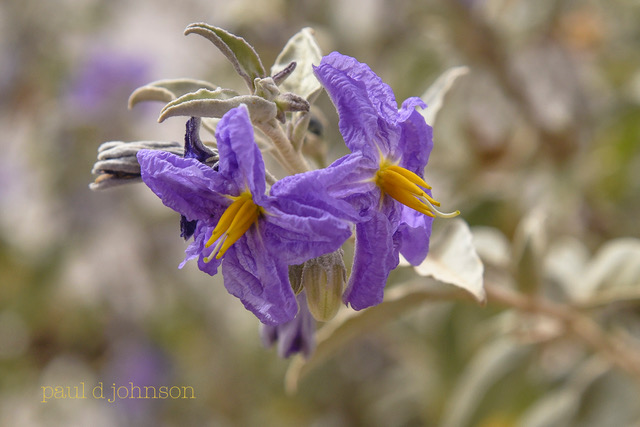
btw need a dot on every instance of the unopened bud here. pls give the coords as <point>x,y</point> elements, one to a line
<point>323,279</point>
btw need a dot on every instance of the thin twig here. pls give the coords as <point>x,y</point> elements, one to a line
<point>295,163</point>
<point>581,326</point>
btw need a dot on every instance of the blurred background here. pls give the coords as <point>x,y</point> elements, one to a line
<point>537,146</point>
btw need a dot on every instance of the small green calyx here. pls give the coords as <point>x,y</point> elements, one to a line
<point>323,279</point>
<point>409,189</point>
<point>234,222</point>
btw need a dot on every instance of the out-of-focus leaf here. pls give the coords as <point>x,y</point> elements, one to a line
<point>434,95</point>
<point>348,324</point>
<point>565,263</point>
<point>559,407</point>
<point>492,246</point>
<point>207,103</point>
<point>529,244</point>
<point>302,49</point>
<point>614,272</point>
<point>167,90</point>
<point>490,365</point>
<point>241,54</point>
<point>453,259</point>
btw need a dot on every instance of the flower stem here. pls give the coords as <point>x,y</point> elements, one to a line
<point>295,163</point>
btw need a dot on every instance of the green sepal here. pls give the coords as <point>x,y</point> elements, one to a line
<point>167,90</point>
<point>207,103</point>
<point>242,55</point>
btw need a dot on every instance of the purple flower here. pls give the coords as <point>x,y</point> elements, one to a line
<point>295,336</point>
<point>253,235</point>
<point>382,178</point>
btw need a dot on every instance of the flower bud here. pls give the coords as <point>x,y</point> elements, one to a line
<point>323,279</point>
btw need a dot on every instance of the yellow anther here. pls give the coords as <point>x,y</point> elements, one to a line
<point>408,188</point>
<point>233,223</point>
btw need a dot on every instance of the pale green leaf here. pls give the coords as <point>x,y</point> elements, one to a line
<point>167,90</point>
<point>302,49</point>
<point>242,55</point>
<point>453,259</point>
<point>207,103</point>
<point>435,94</point>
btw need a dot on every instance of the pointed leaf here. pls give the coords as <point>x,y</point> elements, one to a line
<point>453,259</point>
<point>241,54</point>
<point>207,103</point>
<point>434,96</point>
<point>167,90</point>
<point>302,49</point>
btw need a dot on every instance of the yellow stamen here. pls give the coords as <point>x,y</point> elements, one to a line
<point>233,223</point>
<point>408,188</point>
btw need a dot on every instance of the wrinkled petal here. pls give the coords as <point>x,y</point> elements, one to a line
<point>374,258</point>
<point>414,231</point>
<point>240,158</point>
<point>366,105</point>
<point>197,250</point>
<point>295,336</point>
<point>297,233</point>
<point>416,142</point>
<point>326,188</point>
<point>185,185</point>
<point>259,280</point>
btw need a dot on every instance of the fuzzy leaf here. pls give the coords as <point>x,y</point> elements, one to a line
<point>453,259</point>
<point>167,90</point>
<point>241,54</point>
<point>302,49</point>
<point>434,96</point>
<point>207,103</point>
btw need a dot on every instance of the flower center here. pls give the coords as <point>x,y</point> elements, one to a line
<point>234,222</point>
<point>408,188</point>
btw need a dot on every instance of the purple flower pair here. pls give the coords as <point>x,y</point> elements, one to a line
<point>256,235</point>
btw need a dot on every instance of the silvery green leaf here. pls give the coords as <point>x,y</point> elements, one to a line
<point>241,54</point>
<point>348,325</point>
<point>117,162</point>
<point>207,103</point>
<point>492,363</point>
<point>559,407</point>
<point>167,90</point>
<point>453,259</point>
<point>434,96</point>
<point>302,49</point>
<point>614,272</point>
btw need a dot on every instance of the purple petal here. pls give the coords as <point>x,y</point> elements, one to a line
<point>185,185</point>
<point>416,142</point>
<point>193,146</point>
<point>375,256</point>
<point>240,158</point>
<point>366,105</point>
<point>295,336</point>
<point>197,250</point>
<point>414,231</point>
<point>296,233</point>
<point>258,280</point>
<point>324,188</point>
